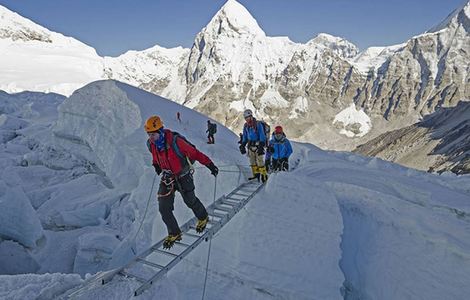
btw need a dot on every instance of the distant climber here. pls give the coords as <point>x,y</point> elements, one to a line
<point>240,140</point>
<point>279,150</point>
<point>255,138</point>
<point>178,117</point>
<point>211,130</point>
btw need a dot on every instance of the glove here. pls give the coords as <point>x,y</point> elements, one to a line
<point>260,150</point>
<point>243,148</point>
<point>158,170</point>
<point>270,149</point>
<point>213,168</point>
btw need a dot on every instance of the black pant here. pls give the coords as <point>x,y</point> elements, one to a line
<point>210,137</point>
<point>166,199</point>
<point>281,164</point>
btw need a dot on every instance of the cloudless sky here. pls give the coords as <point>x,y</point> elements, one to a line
<point>113,27</point>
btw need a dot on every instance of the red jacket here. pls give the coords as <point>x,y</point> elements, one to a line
<point>167,159</point>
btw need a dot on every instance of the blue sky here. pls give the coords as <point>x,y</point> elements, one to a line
<point>113,27</point>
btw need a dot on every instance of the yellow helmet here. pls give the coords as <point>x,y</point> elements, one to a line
<point>153,123</point>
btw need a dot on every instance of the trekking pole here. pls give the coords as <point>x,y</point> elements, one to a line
<point>210,243</point>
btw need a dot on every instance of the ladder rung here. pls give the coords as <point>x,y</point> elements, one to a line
<point>211,222</point>
<point>232,204</point>
<point>229,203</point>
<point>220,216</point>
<point>226,206</point>
<point>166,253</point>
<point>247,188</point>
<point>234,199</point>
<point>127,274</point>
<point>218,207</point>
<point>182,244</point>
<point>192,235</point>
<point>152,264</point>
<point>242,194</point>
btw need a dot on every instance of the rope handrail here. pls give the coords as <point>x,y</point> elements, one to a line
<point>210,244</point>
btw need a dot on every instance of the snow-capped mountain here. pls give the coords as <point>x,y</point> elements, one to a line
<point>369,60</point>
<point>233,65</point>
<point>430,71</point>
<point>304,87</point>
<point>76,184</point>
<point>340,46</point>
<point>36,59</point>
<point>441,142</point>
<point>157,67</point>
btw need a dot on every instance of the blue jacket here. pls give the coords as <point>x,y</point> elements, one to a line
<point>282,148</point>
<point>252,135</point>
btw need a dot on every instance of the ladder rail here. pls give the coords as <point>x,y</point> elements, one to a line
<point>248,188</point>
<point>208,234</point>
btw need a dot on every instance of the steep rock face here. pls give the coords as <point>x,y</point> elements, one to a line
<point>441,142</point>
<point>429,72</point>
<point>233,65</point>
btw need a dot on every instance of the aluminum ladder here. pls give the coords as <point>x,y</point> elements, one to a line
<point>220,212</point>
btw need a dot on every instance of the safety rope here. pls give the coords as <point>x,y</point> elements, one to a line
<point>145,213</point>
<point>210,244</point>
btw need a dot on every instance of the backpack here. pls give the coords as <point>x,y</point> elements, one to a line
<point>214,127</point>
<point>174,145</point>
<point>267,128</point>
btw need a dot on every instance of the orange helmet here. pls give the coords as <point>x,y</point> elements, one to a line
<point>153,123</point>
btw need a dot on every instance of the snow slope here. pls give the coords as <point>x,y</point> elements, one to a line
<point>36,59</point>
<point>338,225</point>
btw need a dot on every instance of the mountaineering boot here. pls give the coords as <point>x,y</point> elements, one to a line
<point>263,174</point>
<point>201,224</point>
<point>171,239</point>
<point>254,170</point>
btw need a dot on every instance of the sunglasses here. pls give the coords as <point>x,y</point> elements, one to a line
<point>153,134</point>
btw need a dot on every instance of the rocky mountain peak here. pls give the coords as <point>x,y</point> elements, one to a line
<point>234,18</point>
<point>459,17</point>
<point>16,27</point>
<point>338,45</point>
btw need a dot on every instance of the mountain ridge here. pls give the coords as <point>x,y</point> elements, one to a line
<point>233,65</point>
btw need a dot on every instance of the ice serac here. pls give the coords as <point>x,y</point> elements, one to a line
<point>18,220</point>
<point>100,116</point>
